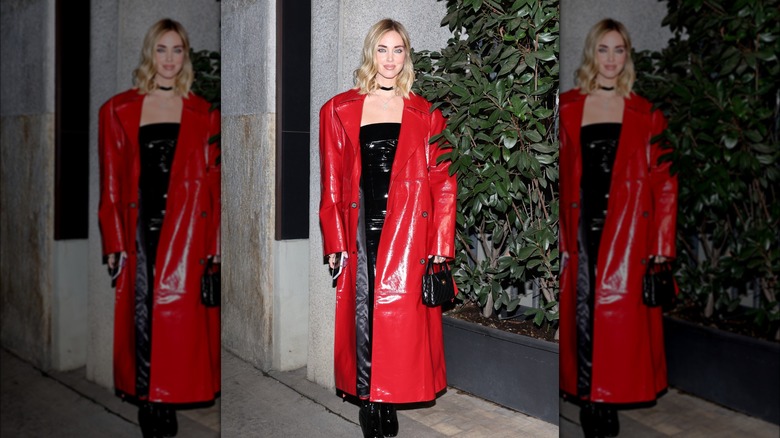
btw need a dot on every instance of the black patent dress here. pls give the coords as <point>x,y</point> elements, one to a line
<point>599,146</point>
<point>157,144</point>
<point>378,143</point>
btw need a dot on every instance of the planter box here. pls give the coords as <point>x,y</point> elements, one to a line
<point>515,371</point>
<point>732,370</point>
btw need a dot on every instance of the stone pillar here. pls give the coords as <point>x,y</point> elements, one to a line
<point>118,29</point>
<point>642,18</point>
<point>248,185</point>
<point>338,30</point>
<point>27,178</point>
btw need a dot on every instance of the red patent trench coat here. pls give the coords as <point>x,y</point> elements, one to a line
<point>628,363</point>
<point>185,356</point>
<point>407,349</point>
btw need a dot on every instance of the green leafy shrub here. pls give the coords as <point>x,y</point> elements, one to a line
<point>497,84</point>
<point>718,83</point>
<point>206,65</point>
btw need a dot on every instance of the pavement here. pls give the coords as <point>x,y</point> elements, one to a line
<point>273,404</point>
<point>676,414</point>
<point>254,403</point>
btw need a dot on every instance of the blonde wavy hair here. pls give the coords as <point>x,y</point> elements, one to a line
<point>586,74</point>
<point>143,75</point>
<point>365,75</point>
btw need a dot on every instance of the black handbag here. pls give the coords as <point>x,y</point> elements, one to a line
<point>658,285</point>
<point>211,285</point>
<point>437,286</point>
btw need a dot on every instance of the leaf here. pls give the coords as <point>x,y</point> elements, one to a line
<point>510,139</point>
<point>545,55</point>
<point>533,136</point>
<point>544,148</point>
<point>510,64</point>
<point>530,59</point>
<point>526,252</point>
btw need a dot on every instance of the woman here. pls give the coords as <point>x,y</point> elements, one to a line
<point>387,206</point>
<point>618,211</point>
<point>159,219</point>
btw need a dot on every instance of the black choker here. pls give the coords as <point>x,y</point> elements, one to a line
<point>164,88</point>
<point>601,87</point>
<point>386,88</point>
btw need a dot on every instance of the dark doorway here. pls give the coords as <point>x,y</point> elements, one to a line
<point>293,104</point>
<point>71,180</point>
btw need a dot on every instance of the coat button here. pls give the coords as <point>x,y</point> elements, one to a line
<point>202,261</point>
<point>645,214</point>
<point>644,261</point>
<point>425,214</point>
<point>132,205</point>
<point>422,261</point>
<point>354,205</point>
<point>573,205</point>
<point>202,214</point>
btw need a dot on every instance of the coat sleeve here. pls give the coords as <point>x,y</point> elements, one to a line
<point>111,148</point>
<point>664,193</point>
<point>441,238</point>
<point>563,152</point>
<point>214,177</point>
<point>331,177</point>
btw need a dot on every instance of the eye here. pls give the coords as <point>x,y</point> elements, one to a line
<point>178,50</point>
<point>619,51</point>
<point>602,50</point>
<point>399,51</point>
<point>381,50</point>
<point>161,50</point>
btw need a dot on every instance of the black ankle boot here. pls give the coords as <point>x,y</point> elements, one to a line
<point>370,421</point>
<point>147,421</point>
<point>167,423</point>
<point>609,422</point>
<point>590,421</point>
<point>389,419</point>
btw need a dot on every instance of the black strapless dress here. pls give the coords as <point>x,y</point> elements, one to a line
<point>599,147</point>
<point>377,148</point>
<point>157,146</point>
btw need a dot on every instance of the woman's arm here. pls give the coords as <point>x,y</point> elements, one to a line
<point>444,192</point>
<point>664,192</point>
<point>213,179</point>
<point>111,150</point>
<point>331,168</point>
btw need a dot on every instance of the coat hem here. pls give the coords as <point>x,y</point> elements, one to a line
<point>615,405</point>
<point>132,399</point>
<point>352,398</point>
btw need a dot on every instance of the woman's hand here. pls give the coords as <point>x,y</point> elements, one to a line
<point>332,259</point>
<point>438,259</point>
<point>112,261</point>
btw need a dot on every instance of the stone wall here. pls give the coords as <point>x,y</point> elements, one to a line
<point>27,178</point>
<point>248,185</point>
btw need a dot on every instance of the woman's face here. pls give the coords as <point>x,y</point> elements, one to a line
<point>611,56</point>
<point>168,57</point>
<point>389,57</point>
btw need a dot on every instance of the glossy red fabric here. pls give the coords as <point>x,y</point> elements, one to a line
<point>629,363</point>
<point>408,353</point>
<point>185,356</point>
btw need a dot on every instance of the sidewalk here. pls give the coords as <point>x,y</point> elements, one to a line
<point>254,404</point>
<point>677,415</point>
<point>285,404</point>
